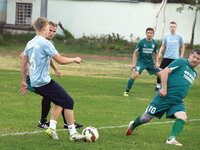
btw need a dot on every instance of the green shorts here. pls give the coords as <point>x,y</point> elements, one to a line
<point>28,81</point>
<point>140,66</point>
<point>160,105</point>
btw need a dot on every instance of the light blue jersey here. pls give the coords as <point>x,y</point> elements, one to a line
<point>172,43</point>
<point>39,52</point>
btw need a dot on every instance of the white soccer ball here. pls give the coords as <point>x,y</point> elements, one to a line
<point>91,134</point>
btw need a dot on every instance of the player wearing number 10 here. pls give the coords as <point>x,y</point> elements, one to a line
<point>176,80</point>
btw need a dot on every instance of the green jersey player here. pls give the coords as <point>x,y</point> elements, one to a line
<point>176,80</point>
<point>143,58</point>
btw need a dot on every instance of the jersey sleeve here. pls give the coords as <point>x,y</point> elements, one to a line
<point>164,40</point>
<point>176,64</point>
<point>181,40</point>
<point>138,46</point>
<point>156,47</point>
<point>49,49</point>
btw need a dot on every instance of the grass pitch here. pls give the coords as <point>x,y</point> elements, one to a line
<point>97,88</point>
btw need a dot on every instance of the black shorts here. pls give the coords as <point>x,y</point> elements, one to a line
<point>165,62</point>
<point>54,92</point>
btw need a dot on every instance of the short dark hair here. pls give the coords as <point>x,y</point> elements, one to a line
<point>196,50</point>
<point>173,22</point>
<point>150,29</point>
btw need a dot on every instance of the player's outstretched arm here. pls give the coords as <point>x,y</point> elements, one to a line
<point>53,65</point>
<point>164,77</point>
<point>64,60</point>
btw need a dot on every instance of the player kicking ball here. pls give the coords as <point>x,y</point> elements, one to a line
<point>38,53</point>
<point>176,80</point>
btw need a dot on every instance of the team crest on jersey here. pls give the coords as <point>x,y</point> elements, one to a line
<point>144,45</point>
<point>153,45</point>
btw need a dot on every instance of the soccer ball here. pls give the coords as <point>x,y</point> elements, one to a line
<point>91,134</point>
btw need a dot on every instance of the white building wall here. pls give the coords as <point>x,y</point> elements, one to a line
<point>96,18</point>
<point>11,9</point>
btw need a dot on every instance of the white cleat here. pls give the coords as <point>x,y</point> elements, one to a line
<point>52,134</point>
<point>126,94</point>
<point>173,141</point>
<point>76,137</point>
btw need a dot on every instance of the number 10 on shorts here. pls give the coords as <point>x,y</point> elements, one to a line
<point>151,109</point>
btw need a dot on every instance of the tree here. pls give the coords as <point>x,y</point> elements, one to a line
<point>193,5</point>
<point>162,6</point>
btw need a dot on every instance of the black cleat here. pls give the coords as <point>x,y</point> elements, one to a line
<point>43,125</point>
<point>75,124</point>
<point>156,89</point>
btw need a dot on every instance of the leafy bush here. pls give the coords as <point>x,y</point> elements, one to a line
<point>2,41</point>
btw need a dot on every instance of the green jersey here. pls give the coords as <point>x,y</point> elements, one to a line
<point>180,80</point>
<point>146,50</point>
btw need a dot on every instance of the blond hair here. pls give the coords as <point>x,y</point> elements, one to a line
<point>53,24</point>
<point>40,23</point>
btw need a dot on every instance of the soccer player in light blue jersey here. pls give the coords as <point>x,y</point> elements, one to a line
<point>176,80</point>
<point>171,43</point>
<point>38,53</point>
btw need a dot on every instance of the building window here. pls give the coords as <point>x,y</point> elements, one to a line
<point>23,13</point>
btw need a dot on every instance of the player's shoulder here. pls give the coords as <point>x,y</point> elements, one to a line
<point>179,35</point>
<point>154,41</point>
<point>166,35</point>
<point>142,40</point>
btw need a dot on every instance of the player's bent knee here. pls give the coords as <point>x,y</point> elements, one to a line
<point>145,118</point>
<point>181,115</point>
<point>135,75</point>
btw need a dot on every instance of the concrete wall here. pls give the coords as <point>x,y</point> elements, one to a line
<point>96,18</point>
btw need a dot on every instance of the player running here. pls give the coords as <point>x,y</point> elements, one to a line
<point>176,80</point>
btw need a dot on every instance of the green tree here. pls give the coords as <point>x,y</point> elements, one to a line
<point>193,5</point>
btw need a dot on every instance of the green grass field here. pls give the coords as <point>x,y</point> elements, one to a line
<point>97,88</point>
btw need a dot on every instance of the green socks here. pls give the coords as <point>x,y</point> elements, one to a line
<point>136,123</point>
<point>177,128</point>
<point>129,85</point>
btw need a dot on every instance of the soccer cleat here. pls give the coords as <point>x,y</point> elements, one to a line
<point>52,134</point>
<point>128,130</point>
<point>76,137</point>
<point>173,141</point>
<point>43,125</point>
<point>156,89</point>
<point>126,94</point>
<point>75,124</point>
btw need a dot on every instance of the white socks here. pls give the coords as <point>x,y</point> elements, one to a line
<point>158,85</point>
<point>53,124</point>
<point>72,129</point>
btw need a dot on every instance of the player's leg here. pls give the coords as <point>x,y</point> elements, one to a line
<point>77,125</point>
<point>164,63</point>
<point>55,113</point>
<point>130,83</point>
<point>46,105</point>
<point>138,121</point>
<point>136,72</point>
<point>178,126</point>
